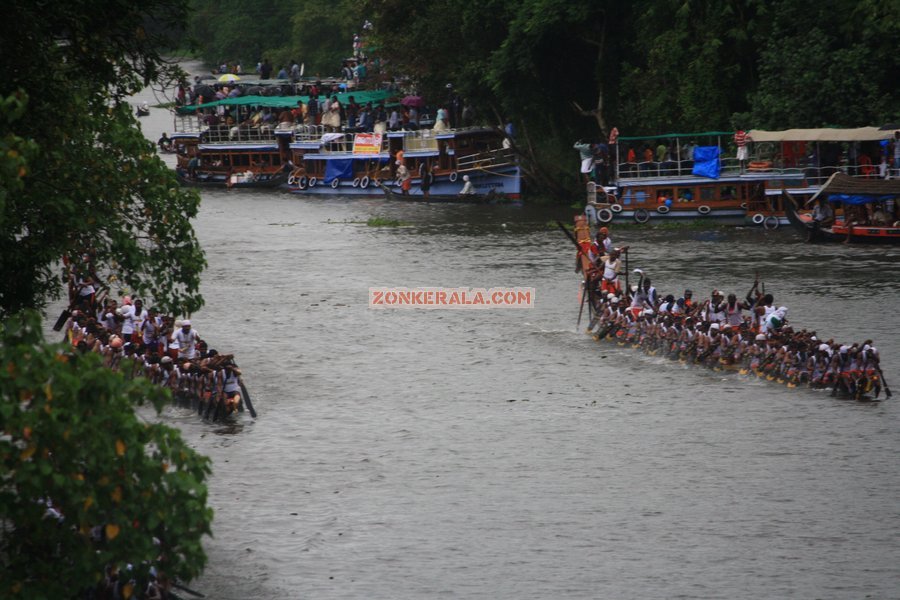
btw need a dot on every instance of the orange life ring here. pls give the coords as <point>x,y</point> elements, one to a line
<point>760,165</point>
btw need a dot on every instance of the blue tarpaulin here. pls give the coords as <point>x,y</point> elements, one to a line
<point>706,161</point>
<point>338,169</point>
<point>857,198</point>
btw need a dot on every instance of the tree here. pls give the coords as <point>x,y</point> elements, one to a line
<point>90,182</point>
<point>85,483</point>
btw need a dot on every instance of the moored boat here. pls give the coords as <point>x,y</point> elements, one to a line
<point>697,176</point>
<point>869,212</point>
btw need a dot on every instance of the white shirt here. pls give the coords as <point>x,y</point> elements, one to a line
<point>128,322</point>
<point>187,343</point>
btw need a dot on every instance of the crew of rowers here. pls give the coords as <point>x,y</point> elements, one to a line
<point>138,341</point>
<point>750,334</point>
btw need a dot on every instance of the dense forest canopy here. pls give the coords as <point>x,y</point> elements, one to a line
<point>568,69</point>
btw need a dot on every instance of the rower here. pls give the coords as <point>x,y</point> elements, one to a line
<point>612,266</point>
<point>602,245</point>
<point>644,296</point>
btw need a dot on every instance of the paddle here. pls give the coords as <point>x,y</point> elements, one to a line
<point>63,317</point>
<point>187,589</point>
<point>246,395</point>
<point>584,294</point>
<point>887,388</point>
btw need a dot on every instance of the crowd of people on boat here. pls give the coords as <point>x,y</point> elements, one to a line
<point>602,160</point>
<point>140,341</point>
<point>751,334</point>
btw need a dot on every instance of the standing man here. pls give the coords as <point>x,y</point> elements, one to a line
<point>743,154</point>
<point>897,154</point>
<point>586,154</point>
<point>187,339</point>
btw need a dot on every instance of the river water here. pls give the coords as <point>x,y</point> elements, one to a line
<point>503,454</point>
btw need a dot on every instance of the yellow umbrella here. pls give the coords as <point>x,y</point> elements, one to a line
<point>229,77</point>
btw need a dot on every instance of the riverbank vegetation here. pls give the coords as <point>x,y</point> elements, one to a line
<point>87,487</point>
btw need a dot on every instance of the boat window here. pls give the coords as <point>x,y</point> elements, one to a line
<point>663,194</point>
<point>685,194</point>
<point>707,194</point>
<point>728,192</point>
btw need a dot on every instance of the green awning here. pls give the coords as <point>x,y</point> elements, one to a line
<point>678,135</point>
<point>361,97</point>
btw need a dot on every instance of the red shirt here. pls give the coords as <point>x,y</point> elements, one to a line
<point>740,138</point>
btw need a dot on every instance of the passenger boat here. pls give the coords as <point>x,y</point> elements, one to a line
<point>856,198</point>
<point>346,162</point>
<point>717,186</point>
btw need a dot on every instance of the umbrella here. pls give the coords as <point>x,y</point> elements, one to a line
<point>229,77</point>
<point>416,101</point>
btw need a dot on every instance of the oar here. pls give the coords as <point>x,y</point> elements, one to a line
<point>63,317</point>
<point>584,294</point>
<point>627,286</point>
<point>887,388</point>
<point>188,590</point>
<point>247,398</point>
<point>387,191</point>
<point>246,394</point>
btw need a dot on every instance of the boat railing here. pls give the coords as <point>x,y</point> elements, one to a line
<point>419,141</point>
<point>486,160</point>
<point>802,172</point>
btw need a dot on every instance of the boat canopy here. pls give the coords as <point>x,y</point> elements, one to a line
<point>858,134</point>
<point>841,188</point>
<point>676,135</point>
<point>361,97</point>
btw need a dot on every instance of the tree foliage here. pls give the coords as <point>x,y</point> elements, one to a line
<point>84,483</point>
<point>86,179</point>
<point>317,33</point>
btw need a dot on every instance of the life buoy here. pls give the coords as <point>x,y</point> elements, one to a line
<point>641,215</point>
<point>422,170</point>
<point>662,209</point>
<point>302,182</point>
<point>430,179</point>
<point>356,182</point>
<point>313,181</point>
<point>758,219</point>
<point>335,183</point>
<point>703,209</point>
<point>604,215</point>
<point>744,205</point>
<point>616,208</point>
<point>292,180</point>
<point>364,182</point>
<point>453,176</point>
<point>771,222</point>
<point>760,165</point>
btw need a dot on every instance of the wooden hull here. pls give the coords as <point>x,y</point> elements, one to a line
<point>263,181</point>
<point>488,198</point>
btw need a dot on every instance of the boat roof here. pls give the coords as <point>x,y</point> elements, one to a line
<point>827,134</point>
<point>840,187</point>
<point>676,135</point>
<point>361,97</point>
